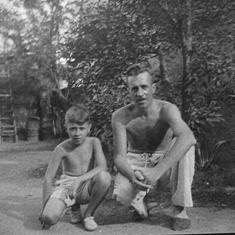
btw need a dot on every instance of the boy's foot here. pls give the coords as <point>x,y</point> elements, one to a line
<point>181,220</point>
<point>90,224</point>
<point>76,217</point>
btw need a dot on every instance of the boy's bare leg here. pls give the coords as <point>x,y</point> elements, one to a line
<point>99,187</point>
<point>52,212</point>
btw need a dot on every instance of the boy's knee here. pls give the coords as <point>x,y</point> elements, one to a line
<point>50,218</point>
<point>104,178</point>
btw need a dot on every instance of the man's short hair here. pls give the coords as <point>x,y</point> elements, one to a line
<point>77,114</point>
<point>138,68</point>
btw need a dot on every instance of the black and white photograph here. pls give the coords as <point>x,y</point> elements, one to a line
<point>117,117</point>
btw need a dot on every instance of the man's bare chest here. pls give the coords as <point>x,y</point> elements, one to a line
<point>146,127</point>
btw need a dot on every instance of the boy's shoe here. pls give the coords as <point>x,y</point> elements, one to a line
<point>90,224</point>
<point>76,217</point>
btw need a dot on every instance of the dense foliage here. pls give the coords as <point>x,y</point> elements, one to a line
<point>191,42</point>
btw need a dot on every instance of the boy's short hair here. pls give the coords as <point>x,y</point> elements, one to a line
<point>78,114</point>
<point>138,68</point>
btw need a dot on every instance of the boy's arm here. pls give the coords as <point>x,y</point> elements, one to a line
<point>100,161</point>
<point>50,173</point>
<point>100,164</point>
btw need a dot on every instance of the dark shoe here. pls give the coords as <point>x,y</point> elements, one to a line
<point>76,216</point>
<point>181,223</point>
<point>137,217</point>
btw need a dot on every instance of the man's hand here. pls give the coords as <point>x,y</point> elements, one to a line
<point>141,184</point>
<point>151,175</point>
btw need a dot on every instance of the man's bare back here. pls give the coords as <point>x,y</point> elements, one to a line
<point>77,160</point>
<point>149,134</point>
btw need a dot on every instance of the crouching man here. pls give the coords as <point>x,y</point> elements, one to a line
<point>145,150</point>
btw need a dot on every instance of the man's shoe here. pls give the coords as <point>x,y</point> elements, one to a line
<point>181,220</point>
<point>139,204</point>
<point>181,223</point>
<point>90,224</point>
<point>137,217</point>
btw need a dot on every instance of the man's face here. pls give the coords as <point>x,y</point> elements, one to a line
<point>141,89</point>
<point>78,133</point>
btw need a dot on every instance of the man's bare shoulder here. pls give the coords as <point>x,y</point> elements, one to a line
<point>124,114</point>
<point>165,106</point>
<point>167,109</point>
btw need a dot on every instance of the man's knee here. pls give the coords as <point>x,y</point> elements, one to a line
<point>103,178</point>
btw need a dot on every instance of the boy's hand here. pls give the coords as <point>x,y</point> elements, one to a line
<point>73,188</point>
<point>40,218</point>
<point>42,222</point>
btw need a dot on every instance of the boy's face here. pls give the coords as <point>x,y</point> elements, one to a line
<point>78,133</point>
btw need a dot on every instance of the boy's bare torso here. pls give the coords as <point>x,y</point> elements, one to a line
<point>148,134</point>
<point>78,160</point>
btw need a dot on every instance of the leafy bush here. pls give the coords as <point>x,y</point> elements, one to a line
<point>205,154</point>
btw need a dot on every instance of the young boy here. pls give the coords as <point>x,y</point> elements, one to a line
<point>84,179</point>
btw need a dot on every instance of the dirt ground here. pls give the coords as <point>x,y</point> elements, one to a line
<point>22,166</point>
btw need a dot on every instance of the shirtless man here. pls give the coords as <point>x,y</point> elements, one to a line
<point>84,179</point>
<point>144,149</point>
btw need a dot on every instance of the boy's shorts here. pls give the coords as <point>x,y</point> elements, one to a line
<point>61,191</point>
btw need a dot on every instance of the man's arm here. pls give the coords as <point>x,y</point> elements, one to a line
<point>184,137</point>
<point>120,146</point>
<point>184,141</point>
<point>50,173</point>
<point>120,149</point>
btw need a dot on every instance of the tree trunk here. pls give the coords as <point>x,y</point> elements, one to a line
<point>165,84</point>
<point>39,114</point>
<point>185,26</point>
